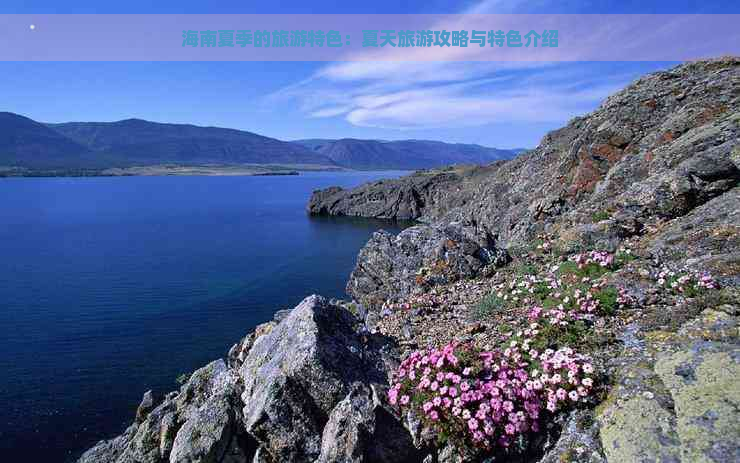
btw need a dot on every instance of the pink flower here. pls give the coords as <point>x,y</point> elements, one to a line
<point>433,415</point>
<point>404,399</point>
<point>472,424</point>
<point>452,392</point>
<point>573,395</point>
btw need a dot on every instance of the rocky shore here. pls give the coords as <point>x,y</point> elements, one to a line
<point>577,303</point>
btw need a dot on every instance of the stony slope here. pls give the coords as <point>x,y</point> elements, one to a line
<point>651,153</point>
<point>626,258</point>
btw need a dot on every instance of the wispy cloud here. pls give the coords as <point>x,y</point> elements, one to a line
<point>382,91</point>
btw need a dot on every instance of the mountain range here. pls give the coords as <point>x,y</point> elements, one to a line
<point>35,146</point>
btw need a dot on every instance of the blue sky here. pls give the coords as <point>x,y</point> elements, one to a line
<point>496,104</point>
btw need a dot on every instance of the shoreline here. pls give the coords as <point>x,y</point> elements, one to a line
<point>172,170</point>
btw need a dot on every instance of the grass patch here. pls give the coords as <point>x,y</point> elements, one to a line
<point>622,258</point>
<point>607,298</point>
<point>592,270</point>
<point>488,306</point>
<point>556,336</point>
<point>601,215</point>
<point>523,269</point>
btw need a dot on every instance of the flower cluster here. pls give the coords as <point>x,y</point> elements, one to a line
<point>625,299</point>
<point>600,258</point>
<point>685,282</point>
<point>488,398</point>
<point>558,300</point>
<point>545,245</point>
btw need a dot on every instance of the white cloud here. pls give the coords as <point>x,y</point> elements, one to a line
<point>381,90</point>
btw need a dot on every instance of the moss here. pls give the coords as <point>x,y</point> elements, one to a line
<point>706,394</point>
<point>639,429</point>
<point>601,215</point>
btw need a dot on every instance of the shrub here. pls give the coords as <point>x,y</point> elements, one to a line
<point>689,284</point>
<point>488,306</point>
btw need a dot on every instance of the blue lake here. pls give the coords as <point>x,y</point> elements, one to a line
<point>112,286</point>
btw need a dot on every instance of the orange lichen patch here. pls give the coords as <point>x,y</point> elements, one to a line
<point>652,104</point>
<point>666,137</point>
<point>610,152</point>
<point>450,244</point>
<point>587,175</point>
<point>709,114</point>
<point>726,232</point>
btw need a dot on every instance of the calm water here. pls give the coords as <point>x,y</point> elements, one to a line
<point>111,286</point>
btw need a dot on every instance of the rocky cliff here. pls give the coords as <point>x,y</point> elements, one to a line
<point>610,251</point>
<point>649,154</point>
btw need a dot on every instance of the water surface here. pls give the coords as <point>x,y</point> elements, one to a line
<point>111,286</point>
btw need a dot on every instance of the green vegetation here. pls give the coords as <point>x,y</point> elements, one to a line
<point>488,306</point>
<point>601,215</point>
<point>590,270</point>
<point>608,300</point>
<point>182,379</point>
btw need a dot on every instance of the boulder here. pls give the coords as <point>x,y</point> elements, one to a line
<point>295,376</point>
<point>146,406</point>
<point>420,257</point>
<point>362,428</point>
<point>683,404</point>
<point>198,424</point>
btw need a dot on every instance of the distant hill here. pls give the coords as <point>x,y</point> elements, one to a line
<point>25,142</point>
<point>93,146</point>
<point>403,154</point>
<point>144,142</point>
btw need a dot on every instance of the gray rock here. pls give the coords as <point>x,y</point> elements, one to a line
<point>108,450</point>
<point>239,351</point>
<point>197,424</point>
<point>295,376</point>
<point>418,257</point>
<point>578,441</point>
<point>361,429</point>
<point>386,199</point>
<point>146,406</point>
